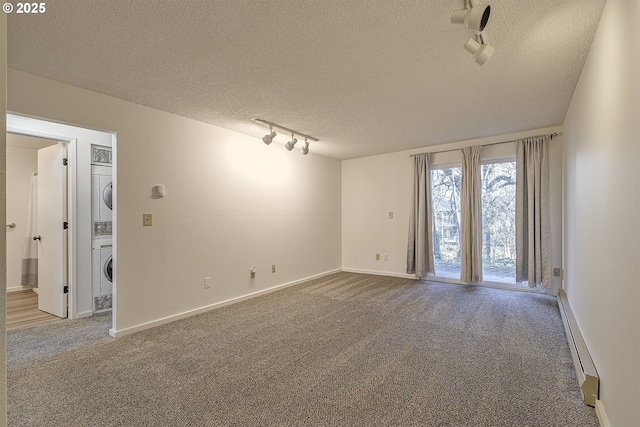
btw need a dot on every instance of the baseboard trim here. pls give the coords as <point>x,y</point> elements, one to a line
<point>19,288</point>
<point>84,314</point>
<point>585,369</point>
<point>603,419</point>
<point>379,273</point>
<point>148,325</point>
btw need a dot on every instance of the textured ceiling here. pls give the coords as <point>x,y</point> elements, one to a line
<point>364,76</point>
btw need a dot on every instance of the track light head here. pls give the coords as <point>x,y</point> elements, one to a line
<point>268,139</point>
<point>289,145</point>
<point>481,51</point>
<point>475,18</point>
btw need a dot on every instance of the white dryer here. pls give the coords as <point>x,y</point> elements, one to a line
<point>101,200</point>
<point>102,267</point>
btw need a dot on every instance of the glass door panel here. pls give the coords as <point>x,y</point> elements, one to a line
<point>498,222</point>
<point>445,193</point>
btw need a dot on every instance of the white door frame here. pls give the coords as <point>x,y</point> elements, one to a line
<point>73,135</point>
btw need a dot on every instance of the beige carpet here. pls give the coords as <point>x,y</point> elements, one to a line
<point>346,349</point>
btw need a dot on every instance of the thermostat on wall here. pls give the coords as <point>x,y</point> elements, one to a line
<point>159,191</point>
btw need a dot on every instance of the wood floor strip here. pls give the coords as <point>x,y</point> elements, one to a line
<point>22,310</point>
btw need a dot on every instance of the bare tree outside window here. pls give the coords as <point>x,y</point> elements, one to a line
<point>498,217</point>
<point>445,192</point>
<point>498,222</point>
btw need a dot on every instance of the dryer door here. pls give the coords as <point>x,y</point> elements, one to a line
<point>106,196</point>
<point>106,188</point>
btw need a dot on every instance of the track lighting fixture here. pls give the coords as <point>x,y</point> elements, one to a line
<point>474,16</point>
<point>481,50</point>
<point>268,139</point>
<point>289,145</point>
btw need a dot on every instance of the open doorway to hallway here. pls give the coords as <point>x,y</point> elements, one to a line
<point>86,223</point>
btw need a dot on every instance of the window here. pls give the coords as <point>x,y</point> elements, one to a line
<point>498,220</point>
<point>445,194</point>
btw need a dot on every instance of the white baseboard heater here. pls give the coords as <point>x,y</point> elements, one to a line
<point>585,369</point>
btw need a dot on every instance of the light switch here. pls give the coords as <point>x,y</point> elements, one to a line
<point>147,219</point>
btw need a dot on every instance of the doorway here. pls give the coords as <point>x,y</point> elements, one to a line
<point>80,142</point>
<point>498,182</point>
<point>37,268</point>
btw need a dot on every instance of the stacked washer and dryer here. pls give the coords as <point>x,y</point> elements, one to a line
<point>102,239</point>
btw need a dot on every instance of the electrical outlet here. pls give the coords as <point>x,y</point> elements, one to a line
<point>385,257</point>
<point>377,257</point>
<point>390,215</point>
<point>273,268</point>
<point>207,282</point>
<point>557,272</point>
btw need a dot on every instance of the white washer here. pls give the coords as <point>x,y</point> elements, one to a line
<point>102,267</point>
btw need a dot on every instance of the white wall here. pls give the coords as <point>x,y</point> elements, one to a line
<point>602,205</point>
<point>374,186</point>
<point>371,188</point>
<point>21,165</point>
<point>232,203</point>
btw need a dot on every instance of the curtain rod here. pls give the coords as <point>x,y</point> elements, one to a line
<point>484,145</point>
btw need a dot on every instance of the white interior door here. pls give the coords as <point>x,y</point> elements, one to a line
<point>52,256</point>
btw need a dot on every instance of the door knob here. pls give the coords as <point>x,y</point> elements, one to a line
<point>37,238</point>
<point>11,225</point>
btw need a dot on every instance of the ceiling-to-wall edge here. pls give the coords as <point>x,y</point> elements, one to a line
<point>473,142</point>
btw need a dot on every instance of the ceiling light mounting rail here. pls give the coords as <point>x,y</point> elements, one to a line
<point>268,138</point>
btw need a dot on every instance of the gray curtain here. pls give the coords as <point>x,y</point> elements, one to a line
<point>420,243</point>
<point>471,216</point>
<point>533,242</point>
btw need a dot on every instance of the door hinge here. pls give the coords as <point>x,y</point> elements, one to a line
<point>65,289</point>
<point>65,225</point>
<point>64,161</point>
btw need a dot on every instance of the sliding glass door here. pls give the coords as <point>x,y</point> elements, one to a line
<point>498,220</point>
<point>445,193</point>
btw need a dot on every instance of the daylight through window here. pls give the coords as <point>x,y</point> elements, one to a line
<point>498,220</point>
